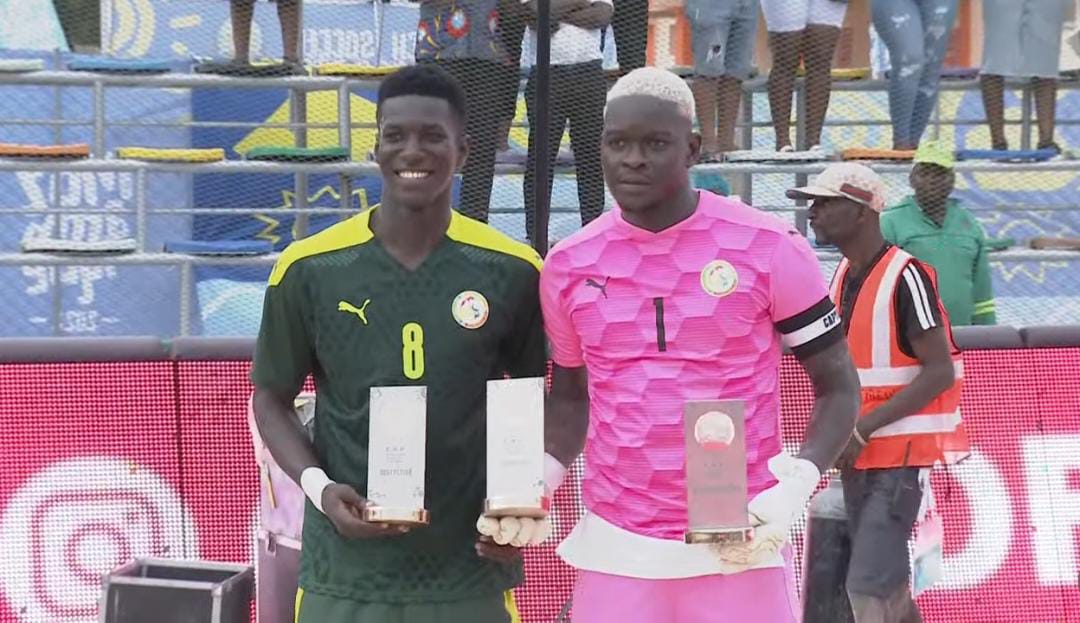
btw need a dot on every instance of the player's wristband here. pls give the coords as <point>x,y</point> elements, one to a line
<point>554,472</point>
<point>313,480</point>
<point>858,436</point>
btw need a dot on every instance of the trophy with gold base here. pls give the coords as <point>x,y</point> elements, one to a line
<point>397,444</point>
<point>716,472</point>
<point>515,449</point>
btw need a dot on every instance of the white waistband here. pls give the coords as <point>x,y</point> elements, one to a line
<point>598,545</point>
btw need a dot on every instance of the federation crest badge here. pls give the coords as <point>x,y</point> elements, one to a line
<point>719,278</point>
<point>470,309</point>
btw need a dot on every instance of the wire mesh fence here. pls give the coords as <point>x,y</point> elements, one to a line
<point>155,100</point>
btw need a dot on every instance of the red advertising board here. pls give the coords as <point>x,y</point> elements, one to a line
<point>103,461</point>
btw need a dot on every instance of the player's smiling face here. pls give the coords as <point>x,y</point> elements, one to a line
<point>647,150</point>
<point>420,147</point>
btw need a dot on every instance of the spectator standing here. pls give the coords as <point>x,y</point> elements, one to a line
<point>630,25</point>
<point>463,37</point>
<point>916,33</point>
<point>722,38</point>
<point>577,95</point>
<point>938,230</point>
<point>1022,39</point>
<point>242,12</point>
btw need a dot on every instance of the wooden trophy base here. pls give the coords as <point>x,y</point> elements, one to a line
<point>397,516</point>
<point>719,535</point>
<point>511,506</point>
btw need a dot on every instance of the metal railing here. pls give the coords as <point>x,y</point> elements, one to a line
<point>345,171</point>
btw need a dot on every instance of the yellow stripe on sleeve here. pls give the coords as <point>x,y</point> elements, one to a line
<point>350,232</point>
<point>296,608</point>
<point>467,231</point>
<point>511,607</point>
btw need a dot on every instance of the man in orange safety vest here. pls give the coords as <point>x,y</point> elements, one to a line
<point>911,374</point>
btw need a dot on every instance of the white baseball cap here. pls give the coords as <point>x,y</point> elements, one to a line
<point>850,180</point>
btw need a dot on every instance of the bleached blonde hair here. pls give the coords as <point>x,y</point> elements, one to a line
<point>655,82</point>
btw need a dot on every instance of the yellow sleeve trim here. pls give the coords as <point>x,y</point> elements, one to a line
<point>348,233</point>
<point>467,231</point>
<point>296,604</point>
<point>511,607</point>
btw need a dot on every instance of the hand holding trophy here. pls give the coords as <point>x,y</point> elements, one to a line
<point>518,499</point>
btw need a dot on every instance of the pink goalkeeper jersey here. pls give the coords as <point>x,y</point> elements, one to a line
<point>695,312</point>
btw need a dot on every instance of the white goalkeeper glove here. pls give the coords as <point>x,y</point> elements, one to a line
<point>522,531</point>
<point>773,512</point>
<point>515,531</point>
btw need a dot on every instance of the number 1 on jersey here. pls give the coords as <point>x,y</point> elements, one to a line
<point>661,337</point>
<point>412,350</point>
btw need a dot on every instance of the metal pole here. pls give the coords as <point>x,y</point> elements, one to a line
<point>345,140</point>
<point>800,120</point>
<point>747,112</point>
<point>1025,117</point>
<point>379,13</point>
<point>300,33</point>
<point>298,113</point>
<point>58,137</point>
<point>57,301</point>
<point>543,123</point>
<point>99,119</point>
<point>141,208</point>
<point>187,279</point>
<point>344,117</point>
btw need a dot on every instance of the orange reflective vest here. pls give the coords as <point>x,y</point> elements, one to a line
<point>936,433</point>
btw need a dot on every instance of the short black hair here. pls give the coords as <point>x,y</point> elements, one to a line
<point>426,80</point>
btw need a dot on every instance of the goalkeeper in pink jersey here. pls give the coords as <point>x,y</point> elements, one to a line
<point>678,295</point>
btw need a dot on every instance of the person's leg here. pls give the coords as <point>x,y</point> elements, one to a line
<point>605,598</point>
<point>630,26</point>
<point>512,31</point>
<point>481,126</point>
<point>785,50</point>
<point>729,98</point>
<point>785,21</point>
<point>819,44</point>
<point>289,18</point>
<point>705,89</point>
<point>241,13</point>
<point>899,24</point>
<point>993,98</point>
<point>586,128</point>
<point>738,65</point>
<point>529,186</point>
<point>1046,110</point>
<point>1001,49</point>
<point>883,505</point>
<point>938,17</point>
<point>1041,42</point>
<point>708,43</point>
<point>560,97</point>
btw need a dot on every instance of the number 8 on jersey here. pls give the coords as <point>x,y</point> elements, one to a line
<point>412,350</point>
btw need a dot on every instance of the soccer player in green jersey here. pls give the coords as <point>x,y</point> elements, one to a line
<point>407,293</point>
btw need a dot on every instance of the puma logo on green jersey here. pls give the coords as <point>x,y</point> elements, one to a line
<point>345,306</point>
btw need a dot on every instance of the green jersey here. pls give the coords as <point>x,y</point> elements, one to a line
<point>956,250</point>
<point>341,308</point>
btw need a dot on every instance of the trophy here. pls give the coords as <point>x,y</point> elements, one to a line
<point>396,451</point>
<point>515,449</point>
<point>716,472</point>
